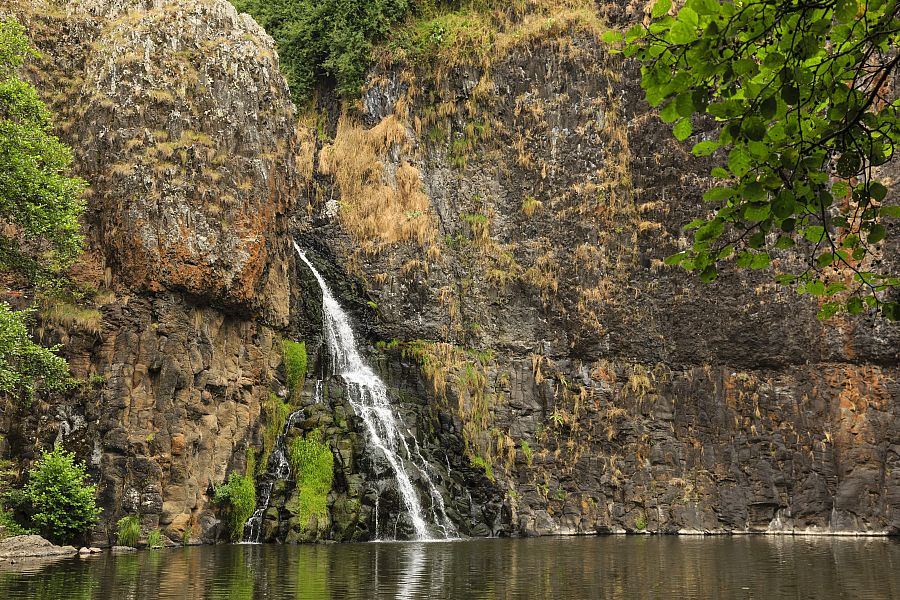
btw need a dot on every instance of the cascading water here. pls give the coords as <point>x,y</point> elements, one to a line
<point>277,468</point>
<point>368,396</point>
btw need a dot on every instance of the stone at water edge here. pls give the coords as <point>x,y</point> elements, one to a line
<point>30,546</point>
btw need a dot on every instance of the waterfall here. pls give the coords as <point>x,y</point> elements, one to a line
<point>277,468</point>
<point>368,396</point>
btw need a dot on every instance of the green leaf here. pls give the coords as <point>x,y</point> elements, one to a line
<point>754,191</point>
<point>815,288</point>
<point>814,233</point>
<point>784,242</point>
<point>760,261</point>
<point>705,149</point>
<point>828,310</point>
<point>890,211</point>
<point>719,172</point>
<point>876,233</point>
<point>612,37</point>
<point>824,260</point>
<point>840,189</point>
<point>717,194</point>
<point>709,274</point>
<point>660,8</point>
<point>845,10</point>
<point>768,107</point>
<point>682,33</point>
<point>790,94</point>
<point>739,161</point>
<point>877,191</point>
<point>710,231</point>
<point>682,129</point>
<point>855,305</point>
<point>669,113</point>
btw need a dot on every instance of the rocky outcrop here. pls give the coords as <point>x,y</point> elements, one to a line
<point>182,124</point>
<point>601,389</point>
<point>32,546</point>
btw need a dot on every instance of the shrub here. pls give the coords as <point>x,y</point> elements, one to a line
<point>237,499</point>
<point>640,522</point>
<point>294,354</point>
<point>154,540</point>
<point>62,502</point>
<point>10,526</point>
<point>485,465</point>
<point>129,531</point>
<point>313,466</point>
<point>528,452</point>
<point>325,38</point>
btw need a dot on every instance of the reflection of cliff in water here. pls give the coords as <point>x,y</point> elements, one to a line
<point>561,568</point>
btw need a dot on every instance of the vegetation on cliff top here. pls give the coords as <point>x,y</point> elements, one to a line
<point>334,39</point>
<point>40,207</point>
<point>802,94</point>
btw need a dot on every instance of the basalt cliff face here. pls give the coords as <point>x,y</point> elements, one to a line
<point>497,226</point>
<point>509,225</point>
<point>181,122</point>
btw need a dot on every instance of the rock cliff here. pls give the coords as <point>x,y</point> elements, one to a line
<point>496,222</point>
<point>181,122</point>
<point>509,227</point>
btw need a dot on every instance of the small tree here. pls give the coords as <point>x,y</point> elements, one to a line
<point>63,503</point>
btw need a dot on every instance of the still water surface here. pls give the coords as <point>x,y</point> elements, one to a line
<point>552,568</point>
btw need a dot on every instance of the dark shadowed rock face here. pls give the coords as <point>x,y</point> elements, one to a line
<point>605,391</point>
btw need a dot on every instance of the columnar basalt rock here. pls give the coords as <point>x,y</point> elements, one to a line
<point>182,124</point>
<point>604,390</point>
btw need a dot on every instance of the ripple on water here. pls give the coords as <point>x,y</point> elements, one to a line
<point>558,568</point>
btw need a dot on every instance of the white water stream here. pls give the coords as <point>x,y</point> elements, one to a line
<point>368,396</point>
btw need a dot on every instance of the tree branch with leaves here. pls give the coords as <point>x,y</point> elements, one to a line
<point>801,93</point>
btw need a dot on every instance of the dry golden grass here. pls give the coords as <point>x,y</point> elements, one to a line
<point>377,208</point>
<point>71,317</point>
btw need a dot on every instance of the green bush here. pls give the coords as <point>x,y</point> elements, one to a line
<point>294,356</point>
<point>62,503</point>
<point>10,526</point>
<point>312,463</point>
<point>528,452</point>
<point>320,39</point>
<point>485,465</point>
<point>154,540</point>
<point>129,531</point>
<point>237,499</point>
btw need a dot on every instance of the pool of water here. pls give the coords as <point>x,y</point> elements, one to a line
<point>552,568</point>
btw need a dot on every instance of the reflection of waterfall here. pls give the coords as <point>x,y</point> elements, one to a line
<point>367,394</point>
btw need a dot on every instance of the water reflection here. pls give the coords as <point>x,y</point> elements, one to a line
<point>608,567</point>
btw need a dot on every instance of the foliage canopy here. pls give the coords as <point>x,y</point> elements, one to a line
<point>39,211</point>
<point>325,38</point>
<point>62,503</point>
<point>801,93</point>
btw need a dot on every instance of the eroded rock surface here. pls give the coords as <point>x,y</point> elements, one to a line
<point>181,122</point>
<point>604,390</point>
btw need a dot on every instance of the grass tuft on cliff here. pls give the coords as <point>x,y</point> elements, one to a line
<point>313,465</point>
<point>294,357</point>
<point>237,500</point>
